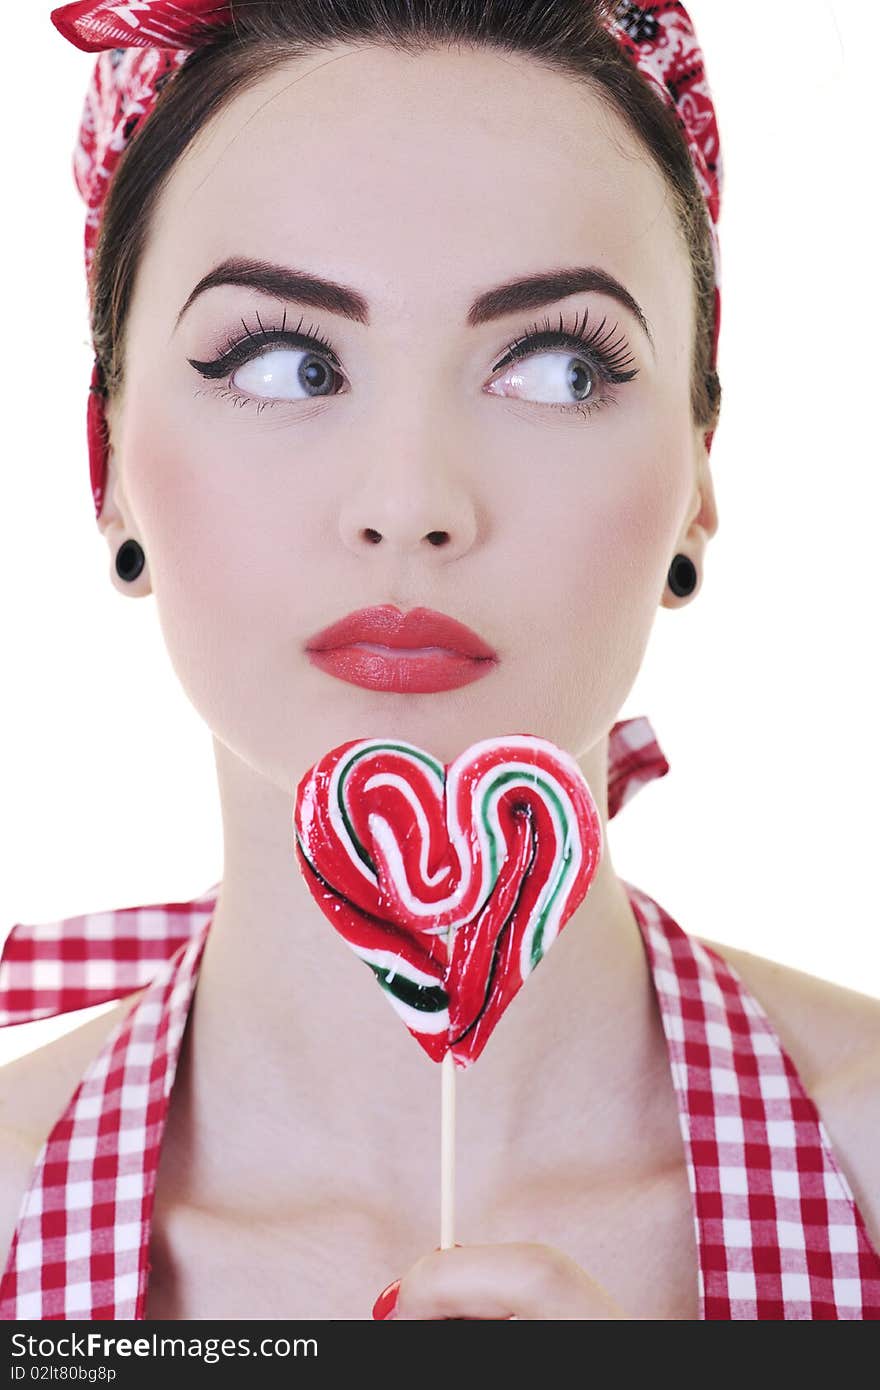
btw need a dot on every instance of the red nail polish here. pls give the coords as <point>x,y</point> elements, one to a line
<point>384,1304</point>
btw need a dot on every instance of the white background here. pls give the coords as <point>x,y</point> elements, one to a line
<point>763,693</point>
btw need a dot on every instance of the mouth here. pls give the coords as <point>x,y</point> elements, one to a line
<point>381,649</point>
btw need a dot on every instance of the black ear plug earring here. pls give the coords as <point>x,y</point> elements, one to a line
<point>682,576</point>
<point>129,560</point>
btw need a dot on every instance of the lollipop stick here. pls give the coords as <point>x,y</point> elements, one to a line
<point>447,1144</point>
<point>447,1154</point>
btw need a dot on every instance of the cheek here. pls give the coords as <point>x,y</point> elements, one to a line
<point>595,583</point>
<point>608,540</point>
<point>195,525</point>
<point>220,517</point>
<point>226,562</point>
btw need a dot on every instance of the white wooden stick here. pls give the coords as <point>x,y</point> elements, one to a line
<point>447,1154</point>
<point>447,1144</point>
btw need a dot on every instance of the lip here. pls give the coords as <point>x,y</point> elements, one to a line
<point>416,653</point>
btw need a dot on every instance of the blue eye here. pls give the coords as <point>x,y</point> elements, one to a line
<point>275,373</point>
<point>605,360</point>
<point>318,368</point>
<point>318,372</point>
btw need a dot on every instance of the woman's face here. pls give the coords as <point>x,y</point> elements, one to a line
<point>308,486</point>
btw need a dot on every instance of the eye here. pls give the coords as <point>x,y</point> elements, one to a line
<point>552,378</point>
<point>275,365</point>
<point>291,373</point>
<point>579,378</point>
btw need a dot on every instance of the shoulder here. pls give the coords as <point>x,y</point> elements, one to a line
<point>34,1090</point>
<point>826,1028</point>
<point>832,1035</point>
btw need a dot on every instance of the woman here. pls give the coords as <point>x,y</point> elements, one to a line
<point>428,326</point>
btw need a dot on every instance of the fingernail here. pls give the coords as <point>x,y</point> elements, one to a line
<point>384,1305</point>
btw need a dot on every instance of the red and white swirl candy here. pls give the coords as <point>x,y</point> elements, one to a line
<point>451,883</point>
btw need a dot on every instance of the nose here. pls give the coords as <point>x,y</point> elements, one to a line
<point>418,502</point>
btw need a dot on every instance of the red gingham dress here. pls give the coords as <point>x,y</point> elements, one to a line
<point>778,1232</point>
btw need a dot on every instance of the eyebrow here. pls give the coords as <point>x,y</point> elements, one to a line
<point>513,296</point>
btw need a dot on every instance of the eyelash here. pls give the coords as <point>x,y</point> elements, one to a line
<point>607,359</point>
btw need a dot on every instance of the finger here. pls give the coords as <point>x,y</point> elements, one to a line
<point>522,1280</point>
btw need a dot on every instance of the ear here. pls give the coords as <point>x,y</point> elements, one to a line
<point>115,527</point>
<point>700,525</point>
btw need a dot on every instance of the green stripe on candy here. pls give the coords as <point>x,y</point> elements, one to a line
<point>426,998</point>
<point>537,942</point>
<point>499,781</point>
<point>410,751</point>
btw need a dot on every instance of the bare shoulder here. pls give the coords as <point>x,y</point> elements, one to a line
<point>34,1090</point>
<point>832,1035</point>
<point>829,1028</point>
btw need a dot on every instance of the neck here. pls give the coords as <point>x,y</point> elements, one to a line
<point>292,1052</point>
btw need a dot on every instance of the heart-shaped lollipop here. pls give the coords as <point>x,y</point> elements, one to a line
<point>498,849</point>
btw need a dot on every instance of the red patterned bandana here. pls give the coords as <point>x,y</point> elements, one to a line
<point>141,43</point>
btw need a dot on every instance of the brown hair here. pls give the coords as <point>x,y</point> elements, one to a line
<point>566,36</point>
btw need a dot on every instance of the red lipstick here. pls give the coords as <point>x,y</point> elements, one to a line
<point>382,649</point>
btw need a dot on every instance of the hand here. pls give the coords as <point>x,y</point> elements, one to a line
<point>519,1280</point>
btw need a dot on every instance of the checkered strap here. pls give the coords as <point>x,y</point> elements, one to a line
<point>81,1246</point>
<point>778,1230</point>
<point>57,967</point>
